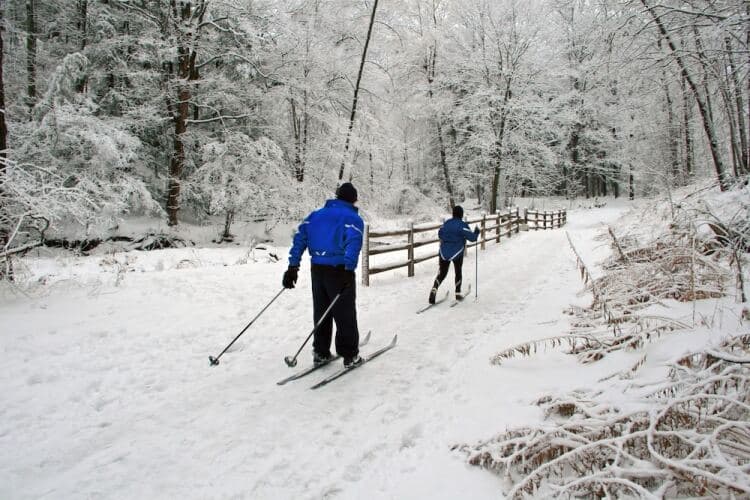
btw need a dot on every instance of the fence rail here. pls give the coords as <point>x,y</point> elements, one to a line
<point>492,227</point>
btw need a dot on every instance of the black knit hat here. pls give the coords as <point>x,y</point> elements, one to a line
<point>458,212</point>
<point>347,192</point>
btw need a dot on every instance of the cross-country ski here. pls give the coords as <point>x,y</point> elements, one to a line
<point>315,367</point>
<point>463,296</point>
<point>365,360</point>
<point>430,306</point>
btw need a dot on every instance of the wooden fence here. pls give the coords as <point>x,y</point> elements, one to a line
<point>549,219</point>
<point>492,228</point>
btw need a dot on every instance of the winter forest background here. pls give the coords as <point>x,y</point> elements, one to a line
<point>215,111</point>
<point>605,359</point>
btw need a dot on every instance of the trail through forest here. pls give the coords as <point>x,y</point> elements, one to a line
<point>108,390</point>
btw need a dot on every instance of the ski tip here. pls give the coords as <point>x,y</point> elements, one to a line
<point>395,338</point>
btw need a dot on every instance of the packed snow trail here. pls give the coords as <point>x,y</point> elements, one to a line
<point>107,391</point>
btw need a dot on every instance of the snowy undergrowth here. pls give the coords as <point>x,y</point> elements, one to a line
<point>671,423</point>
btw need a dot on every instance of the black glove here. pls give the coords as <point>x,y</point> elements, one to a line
<point>347,277</point>
<point>476,230</point>
<point>290,277</point>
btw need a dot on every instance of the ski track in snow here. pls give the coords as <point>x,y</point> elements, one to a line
<point>108,392</point>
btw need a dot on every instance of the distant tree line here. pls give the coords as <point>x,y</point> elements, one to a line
<point>202,108</point>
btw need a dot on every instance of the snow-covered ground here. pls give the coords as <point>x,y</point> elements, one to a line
<point>107,391</point>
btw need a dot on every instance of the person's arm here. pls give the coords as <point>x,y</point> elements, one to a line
<point>441,233</point>
<point>468,233</point>
<point>353,233</point>
<point>299,243</point>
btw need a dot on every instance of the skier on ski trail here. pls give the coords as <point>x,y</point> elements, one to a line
<point>453,235</point>
<point>333,237</point>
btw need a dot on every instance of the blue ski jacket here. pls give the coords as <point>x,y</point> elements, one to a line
<point>453,236</point>
<point>332,234</point>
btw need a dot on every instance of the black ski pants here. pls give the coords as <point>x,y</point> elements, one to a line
<point>458,263</point>
<point>327,282</point>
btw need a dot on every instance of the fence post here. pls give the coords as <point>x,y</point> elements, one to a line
<point>482,233</point>
<point>497,226</point>
<point>366,257</point>
<point>410,250</point>
<point>510,222</point>
<point>518,221</point>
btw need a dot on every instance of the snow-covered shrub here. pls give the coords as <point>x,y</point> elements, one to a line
<point>687,435</point>
<point>241,176</point>
<point>70,164</point>
<point>406,200</point>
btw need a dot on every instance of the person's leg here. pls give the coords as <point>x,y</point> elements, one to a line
<point>458,263</point>
<point>321,301</point>
<point>345,315</point>
<point>443,266</point>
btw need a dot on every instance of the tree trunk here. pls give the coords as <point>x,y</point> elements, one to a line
<point>177,161</point>
<point>356,92</point>
<point>3,146</point>
<point>83,6</point>
<point>708,125</point>
<point>575,158</point>
<point>299,169</point>
<point>444,164</point>
<point>736,149</point>
<point>3,126</point>
<point>631,184</point>
<point>431,63</point>
<point>687,119</point>
<point>674,142</point>
<point>498,146</point>
<point>740,109</point>
<point>30,55</point>
<point>226,235</point>
<point>83,33</point>
<point>186,71</point>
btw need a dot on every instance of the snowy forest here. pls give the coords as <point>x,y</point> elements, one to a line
<point>156,157</point>
<point>230,110</point>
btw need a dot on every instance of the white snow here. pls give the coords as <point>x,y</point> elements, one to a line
<point>107,391</point>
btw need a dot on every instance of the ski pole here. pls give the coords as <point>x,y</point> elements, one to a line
<point>292,361</point>
<point>215,361</point>
<point>476,272</point>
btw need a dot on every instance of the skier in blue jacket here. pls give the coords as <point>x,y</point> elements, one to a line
<point>333,237</point>
<point>453,236</point>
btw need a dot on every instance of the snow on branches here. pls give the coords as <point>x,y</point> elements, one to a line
<point>683,436</point>
<point>689,438</point>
